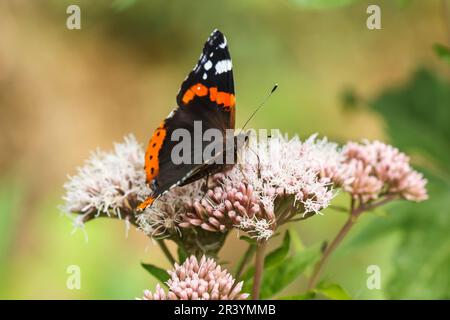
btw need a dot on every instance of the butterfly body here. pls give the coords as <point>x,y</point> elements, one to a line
<point>206,97</point>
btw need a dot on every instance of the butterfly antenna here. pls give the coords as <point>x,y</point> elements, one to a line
<point>260,105</point>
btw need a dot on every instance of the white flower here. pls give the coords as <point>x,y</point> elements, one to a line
<point>163,217</point>
<point>260,229</point>
<point>110,183</point>
<point>284,167</point>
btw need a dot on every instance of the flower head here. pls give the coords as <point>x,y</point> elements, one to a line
<point>198,280</point>
<point>110,183</point>
<point>164,216</point>
<point>373,169</point>
<point>274,180</point>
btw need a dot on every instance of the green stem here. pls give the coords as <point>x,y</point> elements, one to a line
<point>244,260</point>
<point>166,251</point>
<point>329,250</point>
<point>354,215</point>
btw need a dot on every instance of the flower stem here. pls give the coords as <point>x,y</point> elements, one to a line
<point>354,214</point>
<point>329,250</point>
<point>166,251</point>
<point>244,261</point>
<point>259,268</point>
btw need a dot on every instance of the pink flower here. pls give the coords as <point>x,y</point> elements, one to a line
<point>225,207</point>
<point>198,280</point>
<point>373,169</point>
<point>275,181</point>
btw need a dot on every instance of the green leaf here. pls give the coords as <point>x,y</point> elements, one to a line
<point>418,117</point>
<point>273,258</point>
<point>182,255</point>
<point>244,260</point>
<point>322,4</point>
<point>442,52</point>
<point>157,272</point>
<point>332,291</point>
<point>304,296</point>
<point>277,278</point>
<point>248,240</point>
<point>421,260</point>
<point>297,243</point>
<point>278,255</point>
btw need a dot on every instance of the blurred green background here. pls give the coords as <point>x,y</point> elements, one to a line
<point>66,92</point>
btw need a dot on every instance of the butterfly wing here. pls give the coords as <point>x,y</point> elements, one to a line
<point>213,72</point>
<point>207,98</point>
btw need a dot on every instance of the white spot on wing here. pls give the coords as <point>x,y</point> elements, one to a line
<point>208,65</point>
<point>205,76</point>
<point>171,114</point>
<point>223,66</point>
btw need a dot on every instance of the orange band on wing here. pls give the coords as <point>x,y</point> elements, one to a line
<point>188,96</point>
<point>152,152</point>
<point>213,93</point>
<point>147,202</point>
<point>228,100</point>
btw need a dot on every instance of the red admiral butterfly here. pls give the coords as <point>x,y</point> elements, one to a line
<point>206,95</point>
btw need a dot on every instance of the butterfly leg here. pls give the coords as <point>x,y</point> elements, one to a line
<point>259,162</point>
<point>205,186</point>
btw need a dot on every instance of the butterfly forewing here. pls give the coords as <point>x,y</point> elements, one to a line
<point>206,100</point>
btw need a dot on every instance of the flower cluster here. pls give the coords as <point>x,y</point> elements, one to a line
<point>164,216</point>
<point>371,170</point>
<point>273,181</point>
<point>198,280</point>
<point>225,207</point>
<point>110,183</point>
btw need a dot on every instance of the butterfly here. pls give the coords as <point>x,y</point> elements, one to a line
<point>206,96</point>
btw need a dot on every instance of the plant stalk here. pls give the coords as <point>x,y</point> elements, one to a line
<point>354,215</point>
<point>259,268</point>
<point>329,250</point>
<point>244,261</point>
<point>166,251</point>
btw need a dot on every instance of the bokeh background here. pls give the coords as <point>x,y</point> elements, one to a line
<point>66,92</point>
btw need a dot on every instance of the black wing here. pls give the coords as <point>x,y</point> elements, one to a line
<point>207,98</point>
